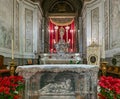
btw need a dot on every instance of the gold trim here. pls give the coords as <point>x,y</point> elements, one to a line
<point>62,16</point>
<point>61,24</point>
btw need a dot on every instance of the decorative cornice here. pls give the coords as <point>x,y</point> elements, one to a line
<point>62,21</point>
<point>35,4</point>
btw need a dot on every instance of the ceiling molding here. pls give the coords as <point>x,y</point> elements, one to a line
<point>76,5</point>
<point>65,16</point>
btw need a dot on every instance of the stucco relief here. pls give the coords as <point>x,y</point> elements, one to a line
<point>106,15</point>
<point>6,23</point>
<point>29,30</point>
<point>95,24</point>
<point>115,9</point>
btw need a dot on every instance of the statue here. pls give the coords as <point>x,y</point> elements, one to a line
<point>60,87</point>
<point>61,46</point>
<point>62,30</point>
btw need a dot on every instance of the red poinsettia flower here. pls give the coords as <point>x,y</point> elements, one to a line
<point>109,87</point>
<point>16,97</point>
<point>10,86</point>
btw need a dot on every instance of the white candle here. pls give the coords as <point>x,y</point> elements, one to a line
<point>56,35</point>
<point>67,35</point>
<point>67,28</point>
<point>12,50</point>
<point>103,49</point>
<point>56,28</point>
<point>72,40</point>
<point>52,31</point>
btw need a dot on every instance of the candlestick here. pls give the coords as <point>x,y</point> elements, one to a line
<point>12,49</point>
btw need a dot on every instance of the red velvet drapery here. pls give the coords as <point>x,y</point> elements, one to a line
<point>54,36</point>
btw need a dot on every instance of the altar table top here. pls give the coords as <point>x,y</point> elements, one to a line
<point>57,68</point>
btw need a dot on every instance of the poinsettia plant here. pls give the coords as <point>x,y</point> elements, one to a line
<point>11,86</point>
<point>109,87</point>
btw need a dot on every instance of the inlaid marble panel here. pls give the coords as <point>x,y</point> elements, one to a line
<point>95,24</point>
<point>6,23</point>
<point>16,33</point>
<point>106,15</point>
<point>115,22</point>
<point>28,30</point>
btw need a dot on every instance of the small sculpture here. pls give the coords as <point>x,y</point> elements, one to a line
<point>61,46</point>
<point>61,87</point>
<point>62,30</point>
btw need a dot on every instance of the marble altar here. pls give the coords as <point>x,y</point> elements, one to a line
<point>62,58</point>
<point>68,81</point>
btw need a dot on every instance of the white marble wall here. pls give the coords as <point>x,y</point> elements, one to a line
<point>30,28</point>
<point>16,25</point>
<point>27,22</point>
<point>114,25</point>
<point>93,22</point>
<point>115,22</point>
<point>80,35</point>
<point>42,37</point>
<point>84,18</point>
<point>103,25</point>
<point>39,36</point>
<point>107,22</point>
<point>6,26</point>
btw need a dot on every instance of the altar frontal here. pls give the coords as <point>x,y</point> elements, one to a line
<point>68,81</point>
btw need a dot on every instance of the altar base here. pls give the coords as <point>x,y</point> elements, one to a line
<point>60,81</point>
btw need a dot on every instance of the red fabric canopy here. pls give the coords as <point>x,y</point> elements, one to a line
<point>68,36</point>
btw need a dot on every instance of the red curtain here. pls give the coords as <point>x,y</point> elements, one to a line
<point>54,36</point>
